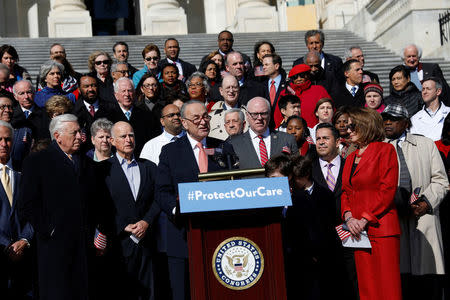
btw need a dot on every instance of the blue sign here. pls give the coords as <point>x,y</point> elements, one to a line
<point>234,194</point>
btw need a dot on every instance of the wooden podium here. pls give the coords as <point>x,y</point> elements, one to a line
<point>260,228</point>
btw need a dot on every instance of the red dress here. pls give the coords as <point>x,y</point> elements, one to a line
<point>369,193</point>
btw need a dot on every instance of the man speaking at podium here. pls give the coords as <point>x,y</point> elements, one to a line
<point>182,161</point>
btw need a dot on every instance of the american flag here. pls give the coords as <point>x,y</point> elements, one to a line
<point>343,234</point>
<point>100,240</point>
<point>309,140</point>
<point>415,195</point>
<point>286,150</point>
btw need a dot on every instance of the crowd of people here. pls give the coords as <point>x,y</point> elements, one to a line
<point>90,167</point>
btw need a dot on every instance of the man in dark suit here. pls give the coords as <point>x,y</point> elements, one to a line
<point>144,123</point>
<point>131,185</point>
<point>420,71</point>
<point>234,65</point>
<point>318,76</point>
<point>182,161</point>
<point>256,146</point>
<point>327,172</point>
<point>350,92</point>
<point>27,114</point>
<point>355,52</point>
<point>121,54</point>
<point>60,197</point>
<point>172,51</point>
<point>276,82</point>
<point>315,40</point>
<point>14,236</point>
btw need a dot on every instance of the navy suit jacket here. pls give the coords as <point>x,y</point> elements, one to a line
<point>332,63</point>
<point>177,164</point>
<point>188,68</point>
<point>126,209</point>
<point>11,230</point>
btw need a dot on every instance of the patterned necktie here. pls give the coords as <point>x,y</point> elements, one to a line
<point>92,110</point>
<point>128,115</point>
<point>6,182</point>
<point>202,158</point>
<point>272,92</point>
<point>331,181</point>
<point>262,150</point>
<point>354,91</point>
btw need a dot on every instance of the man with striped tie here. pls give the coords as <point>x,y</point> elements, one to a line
<point>327,172</point>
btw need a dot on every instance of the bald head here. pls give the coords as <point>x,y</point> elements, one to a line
<point>230,90</point>
<point>258,114</point>
<point>123,139</point>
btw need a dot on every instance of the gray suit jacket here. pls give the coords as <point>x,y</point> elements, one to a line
<point>248,158</point>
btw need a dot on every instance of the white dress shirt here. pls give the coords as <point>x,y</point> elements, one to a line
<point>10,172</point>
<point>152,149</point>
<point>95,105</point>
<point>255,141</point>
<point>177,62</point>
<point>334,169</point>
<point>349,87</point>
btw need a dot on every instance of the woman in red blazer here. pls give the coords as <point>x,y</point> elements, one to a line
<point>369,182</point>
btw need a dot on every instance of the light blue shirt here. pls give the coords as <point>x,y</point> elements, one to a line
<point>132,173</point>
<point>277,82</point>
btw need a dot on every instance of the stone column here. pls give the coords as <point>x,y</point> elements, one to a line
<point>256,16</point>
<point>69,18</point>
<point>164,17</point>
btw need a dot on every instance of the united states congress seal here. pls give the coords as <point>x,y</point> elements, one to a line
<point>238,263</point>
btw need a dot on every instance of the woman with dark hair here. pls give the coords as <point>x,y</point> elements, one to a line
<point>148,95</point>
<point>212,71</point>
<point>403,90</point>
<point>299,129</point>
<point>261,49</point>
<point>369,183</point>
<point>99,64</point>
<point>340,121</point>
<point>170,82</point>
<point>216,57</point>
<point>9,57</point>
<point>151,56</point>
<point>51,76</point>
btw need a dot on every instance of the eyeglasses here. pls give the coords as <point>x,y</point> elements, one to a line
<point>350,127</point>
<point>198,119</point>
<point>198,84</point>
<point>171,115</point>
<point>149,85</point>
<point>99,62</point>
<point>156,58</point>
<point>255,115</point>
<point>123,72</point>
<point>4,106</point>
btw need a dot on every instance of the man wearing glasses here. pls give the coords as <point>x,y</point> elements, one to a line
<point>256,146</point>
<point>182,161</point>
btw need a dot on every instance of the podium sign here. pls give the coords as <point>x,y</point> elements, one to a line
<point>234,238</point>
<point>234,194</point>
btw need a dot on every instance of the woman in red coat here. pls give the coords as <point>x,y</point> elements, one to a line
<point>369,182</point>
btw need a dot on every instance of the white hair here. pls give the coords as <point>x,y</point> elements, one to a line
<point>11,129</point>
<point>57,123</point>
<point>259,98</point>
<point>419,50</point>
<point>116,84</point>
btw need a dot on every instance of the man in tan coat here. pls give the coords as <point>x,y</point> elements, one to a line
<point>422,172</point>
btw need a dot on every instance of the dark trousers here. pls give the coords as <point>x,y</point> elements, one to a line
<point>139,276</point>
<point>15,276</point>
<point>350,280</point>
<point>428,287</point>
<point>179,277</point>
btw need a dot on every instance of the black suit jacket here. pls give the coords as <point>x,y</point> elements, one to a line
<point>332,63</point>
<point>247,91</point>
<point>341,96</point>
<point>126,209</point>
<point>37,121</point>
<point>177,164</point>
<point>62,199</point>
<point>318,177</point>
<point>144,124</point>
<point>433,70</point>
<point>248,158</point>
<point>188,68</point>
